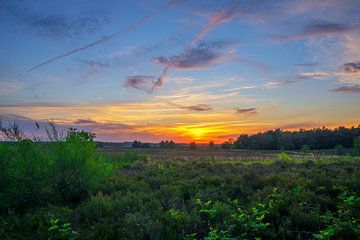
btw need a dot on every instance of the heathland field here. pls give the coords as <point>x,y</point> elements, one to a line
<point>73,190</point>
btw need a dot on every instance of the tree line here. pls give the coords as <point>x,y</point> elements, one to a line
<point>317,138</point>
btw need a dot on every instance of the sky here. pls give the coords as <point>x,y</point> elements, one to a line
<point>186,70</point>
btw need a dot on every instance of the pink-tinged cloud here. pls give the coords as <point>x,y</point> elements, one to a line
<point>214,21</point>
<point>348,89</point>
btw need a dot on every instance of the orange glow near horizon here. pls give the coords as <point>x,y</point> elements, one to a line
<point>153,122</point>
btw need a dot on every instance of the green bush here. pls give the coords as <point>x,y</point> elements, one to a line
<point>339,150</point>
<point>64,172</point>
<point>357,145</point>
<point>305,149</point>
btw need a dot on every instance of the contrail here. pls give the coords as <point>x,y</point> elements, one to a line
<point>215,20</point>
<point>106,38</point>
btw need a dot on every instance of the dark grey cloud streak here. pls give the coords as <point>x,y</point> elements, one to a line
<point>347,89</point>
<point>107,37</point>
<point>200,56</point>
<point>58,25</point>
<point>319,28</point>
<point>351,67</point>
<point>246,111</point>
<point>197,108</point>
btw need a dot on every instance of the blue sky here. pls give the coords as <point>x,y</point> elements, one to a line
<point>182,69</point>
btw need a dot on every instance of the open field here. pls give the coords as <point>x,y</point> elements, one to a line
<point>71,190</point>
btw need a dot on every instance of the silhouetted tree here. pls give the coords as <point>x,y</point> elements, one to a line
<point>193,146</point>
<point>138,144</point>
<point>211,144</point>
<point>167,144</point>
<point>317,138</point>
<point>229,144</point>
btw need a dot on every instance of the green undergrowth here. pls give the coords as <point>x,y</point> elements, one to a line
<point>69,190</point>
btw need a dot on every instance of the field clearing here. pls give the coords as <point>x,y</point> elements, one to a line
<point>221,154</point>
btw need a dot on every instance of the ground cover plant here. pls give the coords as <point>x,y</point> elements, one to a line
<point>69,189</point>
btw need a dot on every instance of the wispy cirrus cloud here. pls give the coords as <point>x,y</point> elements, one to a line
<point>108,37</point>
<point>60,25</point>
<point>299,77</point>
<point>214,20</point>
<point>246,111</point>
<point>7,87</point>
<point>84,121</point>
<point>347,89</point>
<point>197,108</point>
<point>320,29</point>
<point>201,56</point>
<point>305,64</point>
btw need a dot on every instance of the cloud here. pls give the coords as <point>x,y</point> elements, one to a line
<point>325,28</point>
<point>198,57</point>
<point>348,89</point>
<point>145,83</point>
<point>84,121</point>
<point>201,56</point>
<point>246,111</point>
<point>351,67</point>
<point>349,73</point>
<point>213,21</point>
<point>197,108</point>
<point>8,87</point>
<point>276,84</point>
<point>56,25</point>
<point>94,67</point>
<point>299,77</point>
<point>319,29</point>
<point>240,88</point>
<point>106,38</point>
<point>305,64</point>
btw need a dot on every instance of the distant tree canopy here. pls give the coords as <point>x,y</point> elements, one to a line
<point>138,144</point>
<point>167,144</point>
<point>229,144</point>
<point>193,146</point>
<point>317,138</point>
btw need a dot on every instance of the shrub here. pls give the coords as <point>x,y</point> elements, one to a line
<point>64,172</point>
<point>285,157</point>
<point>357,145</point>
<point>305,149</point>
<point>343,224</point>
<point>339,150</point>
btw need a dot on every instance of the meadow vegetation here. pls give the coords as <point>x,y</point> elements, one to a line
<point>68,189</point>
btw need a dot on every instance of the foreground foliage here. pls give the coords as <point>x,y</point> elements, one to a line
<point>68,190</point>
